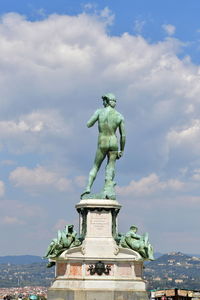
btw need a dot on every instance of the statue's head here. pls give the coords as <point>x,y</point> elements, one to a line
<point>69,228</point>
<point>134,228</point>
<point>109,99</point>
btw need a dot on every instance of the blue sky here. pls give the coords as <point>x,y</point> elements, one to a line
<point>182,14</point>
<point>149,15</point>
<point>57,58</point>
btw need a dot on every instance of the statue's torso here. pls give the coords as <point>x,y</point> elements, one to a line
<point>108,122</point>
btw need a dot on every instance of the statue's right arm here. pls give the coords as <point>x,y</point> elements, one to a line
<point>93,119</point>
<point>137,236</point>
<point>122,135</point>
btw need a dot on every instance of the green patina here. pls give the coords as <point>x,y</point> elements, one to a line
<point>136,242</point>
<point>66,239</point>
<point>109,121</point>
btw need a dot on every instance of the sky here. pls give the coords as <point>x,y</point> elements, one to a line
<point>57,58</point>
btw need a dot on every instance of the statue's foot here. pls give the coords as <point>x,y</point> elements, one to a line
<point>87,191</point>
<point>151,258</point>
<point>51,264</point>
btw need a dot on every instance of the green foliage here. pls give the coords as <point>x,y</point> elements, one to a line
<point>35,274</point>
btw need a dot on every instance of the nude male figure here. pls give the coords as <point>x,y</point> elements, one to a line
<point>109,120</point>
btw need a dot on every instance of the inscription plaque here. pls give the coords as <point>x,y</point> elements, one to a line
<point>100,224</point>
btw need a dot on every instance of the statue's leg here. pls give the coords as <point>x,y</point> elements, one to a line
<point>48,251</point>
<point>143,252</point>
<point>110,167</point>
<point>109,191</point>
<point>150,252</point>
<point>146,239</point>
<point>50,248</point>
<point>100,155</point>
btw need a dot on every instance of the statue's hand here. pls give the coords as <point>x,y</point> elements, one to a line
<point>119,154</point>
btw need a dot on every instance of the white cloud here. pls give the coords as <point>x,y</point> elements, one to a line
<point>2,188</point>
<point>196,175</point>
<point>185,140</point>
<point>48,121</point>
<point>153,82</point>
<point>53,73</point>
<point>30,132</point>
<point>107,16</point>
<point>39,177</point>
<point>41,12</point>
<point>185,135</point>
<point>169,29</point>
<point>149,185</point>
<point>139,25</point>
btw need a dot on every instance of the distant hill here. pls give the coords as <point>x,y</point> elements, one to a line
<point>173,270</point>
<point>157,254</point>
<point>20,275</point>
<point>196,255</point>
<point>167,271</point>
<point>29,259</point>
<point>21,259</point>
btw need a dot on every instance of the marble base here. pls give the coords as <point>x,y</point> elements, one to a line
<point>54,294</point>
<point>73,278</point>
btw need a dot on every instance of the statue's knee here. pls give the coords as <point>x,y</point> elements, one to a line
<point>93,172</point>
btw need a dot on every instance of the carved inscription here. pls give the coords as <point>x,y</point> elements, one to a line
<point>100,224</point>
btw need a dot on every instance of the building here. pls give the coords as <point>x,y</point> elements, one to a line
<point>175,294</point>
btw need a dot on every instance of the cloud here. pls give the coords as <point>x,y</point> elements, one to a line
<point>149,185</point>
<point>139,25</point>
<point>39,177</point>
<point>169,29</point>
<point>8,162</point>
<point>149,78</point>
<point>185,136</point>
<point>196,175</point>
<point>14,212</point>
<point>2,188</point>
<point>107,16</point>
<point>12,221</point>
<point>31,132</point>
<point>183,143</point>
<point>52,75</point>
<point>23,227</point>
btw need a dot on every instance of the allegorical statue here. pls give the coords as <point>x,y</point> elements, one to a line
<point>109,120</point>
<point>138,243</point>
<point>66,239</point>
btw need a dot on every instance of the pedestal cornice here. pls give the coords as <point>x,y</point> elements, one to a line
<point>98,203</point>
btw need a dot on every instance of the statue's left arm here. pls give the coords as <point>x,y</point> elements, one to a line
<point>122,137</point>
<point>93,119</point>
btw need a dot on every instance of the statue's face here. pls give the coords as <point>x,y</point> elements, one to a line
<point>105,102</point>
<point>134,229</point>
<point>112,103</point>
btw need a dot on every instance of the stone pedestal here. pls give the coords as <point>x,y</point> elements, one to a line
<point>98,269</point>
